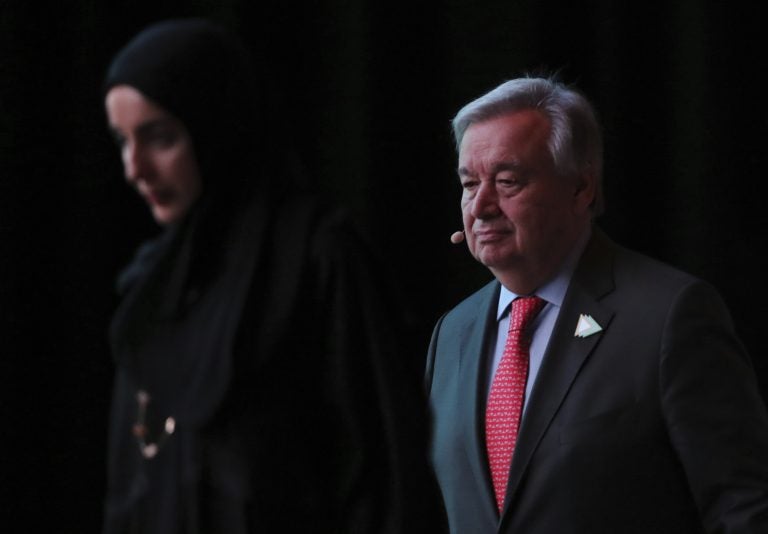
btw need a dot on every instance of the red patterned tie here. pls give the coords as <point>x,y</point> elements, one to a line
<point>505,402</point>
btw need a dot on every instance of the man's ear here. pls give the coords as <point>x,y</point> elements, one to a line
<point>585,193</point>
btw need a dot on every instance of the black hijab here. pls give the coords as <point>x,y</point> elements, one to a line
<point>201,74</point>
<point>247,256</point>
<point>193,280</point>
<point>205,76</point>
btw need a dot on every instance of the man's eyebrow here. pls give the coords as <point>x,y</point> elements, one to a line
<point>502,166</point>
<point>506,166</point>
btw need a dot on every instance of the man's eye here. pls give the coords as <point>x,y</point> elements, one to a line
<point>509,183</point>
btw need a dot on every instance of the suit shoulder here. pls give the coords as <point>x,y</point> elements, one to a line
<point>474,303</point>
<point>646,272</point>
<point>647,282</point>
<point>629,278</point>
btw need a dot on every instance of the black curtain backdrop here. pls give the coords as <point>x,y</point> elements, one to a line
<point>370,88</point>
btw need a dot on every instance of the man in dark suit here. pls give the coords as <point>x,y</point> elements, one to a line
<point>638,408</point>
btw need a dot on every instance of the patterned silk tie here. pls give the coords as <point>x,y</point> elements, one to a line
<point>505,402</point>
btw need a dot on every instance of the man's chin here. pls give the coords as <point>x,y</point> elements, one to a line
<point>493,258</point>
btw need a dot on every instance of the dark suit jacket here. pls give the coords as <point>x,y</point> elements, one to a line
<point>653,425</point>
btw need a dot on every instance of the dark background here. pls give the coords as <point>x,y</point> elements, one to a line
<point>370,87</point>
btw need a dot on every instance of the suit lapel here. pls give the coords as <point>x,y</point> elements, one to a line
<point>472,367</point>
<point>565,353</point>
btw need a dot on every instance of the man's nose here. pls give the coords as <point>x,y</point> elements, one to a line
<point>485,205</point>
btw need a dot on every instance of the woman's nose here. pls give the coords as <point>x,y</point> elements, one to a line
<point>133,163</point>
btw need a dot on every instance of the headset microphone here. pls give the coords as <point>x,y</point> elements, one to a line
<point>457,237</point>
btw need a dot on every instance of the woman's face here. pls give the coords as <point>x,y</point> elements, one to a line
<point>158,157</point>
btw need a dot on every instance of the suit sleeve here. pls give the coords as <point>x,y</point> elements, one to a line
<point>715,414</point>
<point>431,355</point>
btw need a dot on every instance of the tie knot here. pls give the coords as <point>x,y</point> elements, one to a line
<point>524,310</point>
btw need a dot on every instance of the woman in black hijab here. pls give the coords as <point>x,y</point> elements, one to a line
<point>258,385</point>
